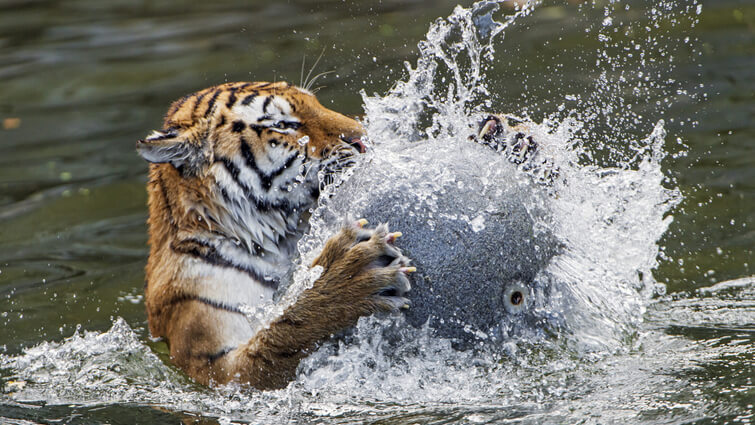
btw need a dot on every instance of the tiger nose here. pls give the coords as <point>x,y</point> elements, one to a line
<point>356,143</point>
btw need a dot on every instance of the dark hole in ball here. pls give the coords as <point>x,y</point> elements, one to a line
<point>517,298</point>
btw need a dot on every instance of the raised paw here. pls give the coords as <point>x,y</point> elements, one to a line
<point>513,141</point>
<point>353,231</point>
<point>491,132</point>
<point>364,271</point>
<point>494,132</point>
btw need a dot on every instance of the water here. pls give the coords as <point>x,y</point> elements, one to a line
<point>659,246</point>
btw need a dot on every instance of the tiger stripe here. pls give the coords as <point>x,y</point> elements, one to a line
<point>197,102</point>
<point>249,98</point>
<point>182,298</point>
<point>210,254</point>
<point>211,103</point>
<point>229,187</point>
<point>266,103</point>
<point>266,179</point>
<point>213,357</point>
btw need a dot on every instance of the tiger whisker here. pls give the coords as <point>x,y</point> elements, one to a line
<point>306,80</point>
<point>301,74</point>
<point>314,79</point>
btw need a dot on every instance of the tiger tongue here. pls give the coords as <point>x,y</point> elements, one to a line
<point>357,144</point>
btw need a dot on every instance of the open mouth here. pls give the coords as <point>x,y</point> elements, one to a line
<point>356,143</point>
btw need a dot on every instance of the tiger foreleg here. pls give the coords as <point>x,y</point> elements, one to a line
<point>363,273</point>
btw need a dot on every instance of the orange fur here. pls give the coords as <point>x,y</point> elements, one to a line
<point>206,244</point>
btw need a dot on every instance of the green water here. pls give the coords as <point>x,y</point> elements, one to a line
<point>81,81</point>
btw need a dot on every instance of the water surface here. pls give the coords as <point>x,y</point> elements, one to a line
<point>82,81</point>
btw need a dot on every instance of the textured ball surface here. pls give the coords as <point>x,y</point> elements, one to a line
<point>468,222</point>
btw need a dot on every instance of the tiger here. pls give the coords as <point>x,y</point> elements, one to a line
<point>233,176</point>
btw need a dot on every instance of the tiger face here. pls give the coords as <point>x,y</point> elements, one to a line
<point>248,158</point>
<point>278,130</point>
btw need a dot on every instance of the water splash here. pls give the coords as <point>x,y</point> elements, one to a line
<point>447,83</point>
<point>607,214</point>
<point>90,368</point>
<point>608,217</point>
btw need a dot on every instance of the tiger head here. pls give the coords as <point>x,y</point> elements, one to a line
<point>265,119</point>
<point>239,151</point>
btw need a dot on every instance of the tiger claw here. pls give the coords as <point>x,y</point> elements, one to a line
<point>391,237</point>
<point>522,148</point>
<point>394,303</point>
<point>489,128</point>
<point>485,128</point>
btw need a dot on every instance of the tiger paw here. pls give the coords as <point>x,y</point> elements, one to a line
<point>352,232</point>
<point>519,147</point>
<point>512,141</point>
<point>364,272</point>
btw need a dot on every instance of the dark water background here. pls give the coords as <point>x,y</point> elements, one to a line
<point>82,80</point>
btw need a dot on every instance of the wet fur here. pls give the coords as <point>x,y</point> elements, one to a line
<point>223,226</point>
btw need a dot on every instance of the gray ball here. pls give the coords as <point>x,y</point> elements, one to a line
<point>468,219</point>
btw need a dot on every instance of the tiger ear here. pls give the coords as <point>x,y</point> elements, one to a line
<point>170,147</point>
